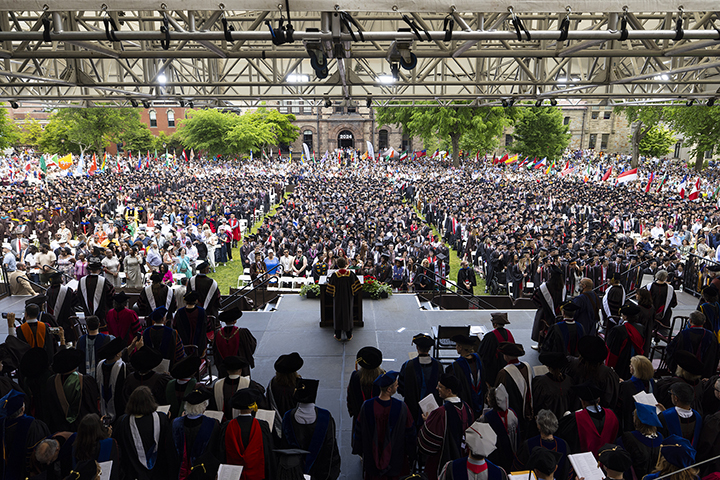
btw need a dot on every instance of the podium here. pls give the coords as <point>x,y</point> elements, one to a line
<point>326,306</point>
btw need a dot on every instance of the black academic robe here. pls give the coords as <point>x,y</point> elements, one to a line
<point>658,292</point>
<point>643,450</point>
<point>342,287</point>
<point>175,393</point>
<point>624,342</point>
<point>19,437</point>
<point>231,341</point>
<point>56,404</point>
<point>416,381</point>
<point>553,394</point>
<point>131,468</point>
<point>156,382</point>
<point>709,444</point>
<point>34,338</point>
<point>357,394</point>
<point>626,402</point>
<point>492,360</point>
<point>467,274</point>
<point>106,297</point>
<point>662,392</point>
<point>563,338</point>
<point>159,298</point>
<point>602,375</point>
<point>472,380</point>
<point>195,440</point>
<point>441,438</point>
<point>556,445</point>
<point>522,406</point>
<point>546,313</point>
<point>323,461</point>
<point>245,423</point>
<point>600,428</point>
<point>111,395</point>
<point>192,326</point>
<point>700,342</point>
<point>203,285</point>
<point>615,296</point>
<point>65,311</point>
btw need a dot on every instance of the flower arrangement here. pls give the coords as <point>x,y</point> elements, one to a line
<point>310,290</point>
<point>375,288</point>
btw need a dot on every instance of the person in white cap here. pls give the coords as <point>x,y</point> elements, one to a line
<point>9,260</point>
<point>480,439</point>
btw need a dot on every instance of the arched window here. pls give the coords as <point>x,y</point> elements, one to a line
<point>383,139</point>
<point>308,139</point>
<point>171,118</point>
<point>153,118</point>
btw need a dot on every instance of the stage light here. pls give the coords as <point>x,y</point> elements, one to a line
<point>14,105</point>
<point>538,103</point>
<point>191,104</point>
<point>182,103</point>
<point>368,102</point>
<point>553,102</point>
<point>328,102</point>
<point>146,104</point>
<point>690,102</point>
<point>134,103</point>
<point>711,102</point>
<point>162,78</point>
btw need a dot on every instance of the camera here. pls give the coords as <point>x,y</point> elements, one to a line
<point>54,330</point>
<point>4,315</point>
<point>106,421</point>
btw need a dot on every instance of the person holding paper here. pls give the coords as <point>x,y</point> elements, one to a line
<point>590,427</point>
<point>441,436</point>
<point>196,436</point>
<point>676,454</point>
<point>641,380</point>
<point>480,440</point>
<point>689,371</point>
<point>682,419</point>
<point>625,341</point>
<point>469,371</point>
<point>643,443</point>
<point>93,443</point>
<point>492,359</point>
<point>544,463</point>
<point>419,376</point>
<point>385,433</point>
<point>247,441</point>
<point>308,427</point>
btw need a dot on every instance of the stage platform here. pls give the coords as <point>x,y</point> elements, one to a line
<point>389,325</point>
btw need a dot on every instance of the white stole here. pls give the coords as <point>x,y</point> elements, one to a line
<point>142,456</point>
<point>606,307</point>
<point>520,381</point>
<point>668,298</point>
<point>210,293</point>
<point>244,382</point>
<point>96,294</point>
<point>108,408</point>
<point>548,298</point>
<point>151,297</point>
<point>62,293</point>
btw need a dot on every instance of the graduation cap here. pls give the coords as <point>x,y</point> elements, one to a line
<point>423,340</point>
<point>630,310</point>
<point>544,460</point>
<point>246,398</point>
<point>714,267</point>
<point>464,339</point>
<point>230,315</point>
<point>369,357</point>
<point>186,368</point>
<point>647,414</point>
<point>614,457</point>
<point>158,314</point>
<point>306,390</point>
<point>481,439</point>
<point>386,379</point>
<point>234,363</point>
<point>190,297</point>
<point>592,349</point>
<point>450,382</point>
<point>290,462</point>
<point>56,278</point>
<point>556,360</point>
<point>511,349</point>
<point>689,362</point>
<point>499,318</point>
<point>67,360</point>
<point>11,403</point>
<point>145,359</point>
<point>678,451</point>
<point>197,396</point>
<point>587,391</point>
<point>110,349</point>
<point>288,363</point>
<point>203,266</point>
<point>34,362</point>
<point>120,297</point>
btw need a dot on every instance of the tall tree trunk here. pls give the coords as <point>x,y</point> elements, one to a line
<point>456,149</point>
<point>699,160</point>
<point>636,145</point>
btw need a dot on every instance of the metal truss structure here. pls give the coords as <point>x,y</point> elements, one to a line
<point>132,52</point>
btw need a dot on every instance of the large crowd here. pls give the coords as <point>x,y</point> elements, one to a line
<point>77,394</point>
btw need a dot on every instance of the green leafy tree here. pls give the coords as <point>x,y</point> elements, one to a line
<point>31,133</point>
<point>9,131</point>
<point>657,142</point>
<point>281,124</point>
<point>642,119</point>
<point>206,130</point>
<point>54,138</point>
<point>250,134</point>
<point>539,132</point>
<point>137,137</point>
<point>699,125</point>
<point>479,126</point>
<point>171,142</point>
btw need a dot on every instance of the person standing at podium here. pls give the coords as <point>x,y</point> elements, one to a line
<point>342,286</point>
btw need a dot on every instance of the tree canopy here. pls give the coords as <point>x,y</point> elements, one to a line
<point>699,125</point>
<point>539,132</point>
<point>477,127</point>
<point>657,142</point>
<point>642,119</point>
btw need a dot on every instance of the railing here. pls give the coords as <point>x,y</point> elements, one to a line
<point>465,295</point>
<point>65,275</point>
<point>4,283</point>
<point>695,273</point>
<point>240,294</point>
<point>596,289</point>
<point>25,279</point>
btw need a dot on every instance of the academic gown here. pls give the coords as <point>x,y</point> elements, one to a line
<point>342,286</point>
<point>441,436</point>
<point>492,360</point>
<point>688,428</point>
<point>57,403</point>
<point>36,334</point>
<point>700,342</point>
<point>231,341</point>
<point>472,380</point>
<point>658,292</point>
<point>626,402</point>
<point>709,444</point>
<point>556,445</point>
<point>203,287</point>
<point>417,381</point>
<point>131,467</point>
<point>19,437</point>
<point>106,297</point>
<point>546,313</point>
<point>241,444</point>
<point>174,394</point>
<point>522,406</point>
<point>603,376</point>
<point>552,394</point>
<point>624,342</point>
<point>385,438</point>
<point>323,461</point>
<point>586,431</point>
<point>643,450</point>
<point>458,470</point>
<point>664,384</point>
<point>506,426</point>
<point>159,298</point>
<point>64,310</point>
<point>156,382</point>
<point>563,338</point>
<point>195,440</point>
<point>112,400</point>
<point>192,326</point>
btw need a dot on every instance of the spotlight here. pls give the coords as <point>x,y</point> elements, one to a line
<point>508,102</point>
<point>553,102</point>
<point>182,103</point>
<point>368,101</point>
<point>14,105</point>
<point>690,102</point>
<point>711,102</point>
<point>328,102</point>
<point>538,103</point>
<point>505,103</point>
<point>134,103</point>
<point>146,104</point>
<point>191,104</point>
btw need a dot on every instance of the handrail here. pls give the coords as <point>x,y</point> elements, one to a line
<point>232,298</point>
<point>6,281</point>
<point>58,271</point>
<point>694,280</point>
<point>470,300</point>
<point>623,273</point>
<point>44,289</point>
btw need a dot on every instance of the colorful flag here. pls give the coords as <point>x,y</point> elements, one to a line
<point>403,156</point>
<point>695,193</point>
<point>65,162</point>
<point>651,177</point>
<point>421,153</point>
<point>541,163</point>
<point>186,157</point>
<point>104,160</point>
<point>306,150</point>
<point>512,159</point>
<point>607,174</point>
<point>371,150</point>
<point>662,182</point>
<point>43,165</point>
<point>681,187</point>
<point>93,166</point>
<point>629,176</point>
